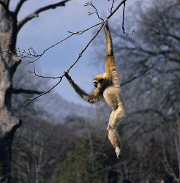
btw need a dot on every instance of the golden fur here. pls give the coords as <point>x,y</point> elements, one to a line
<point>109,88</point>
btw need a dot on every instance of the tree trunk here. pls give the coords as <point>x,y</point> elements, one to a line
<point>8,64</point>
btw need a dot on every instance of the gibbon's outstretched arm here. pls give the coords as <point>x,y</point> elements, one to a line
<point>92,98</point>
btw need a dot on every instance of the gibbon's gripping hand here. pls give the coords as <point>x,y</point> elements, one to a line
<point>67,75</point>
<point>106,21</point>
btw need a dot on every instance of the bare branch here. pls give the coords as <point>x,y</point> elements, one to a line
<point>166,164</point>
<point>153,111</point>
<point>102,24</point>
<point>112,6</point>
<point>8,1</point>
<point>6,7</point>
<point>135,77</point>
<point>122,2</point>
<point>96,11</point>
<point>31,53</point>
<point>20,90</point>
<point>80,55</point>
<point>18,7</point>
<point>123,18</point>
<point>31,99</point>
<point>77,33</point>
<point>40,10</point>
<point>40,76</point>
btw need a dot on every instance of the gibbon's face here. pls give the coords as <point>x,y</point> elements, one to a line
<point>95,84</point>
<point>98,81</point>
<point>98,84</point>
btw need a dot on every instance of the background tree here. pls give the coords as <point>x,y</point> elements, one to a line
<point>150,43</point>
<point>149,133</point>
<point>9,29</point>
<point>155,43</point>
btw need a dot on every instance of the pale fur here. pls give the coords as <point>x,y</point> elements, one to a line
<point>109,88</point>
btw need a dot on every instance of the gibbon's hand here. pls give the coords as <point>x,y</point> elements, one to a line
<point>67,75</point>
<point>106,21</point>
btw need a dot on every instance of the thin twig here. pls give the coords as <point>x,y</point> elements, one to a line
<point>80,55</point>
<point>112,6</point>
<point>111,14</point>
<point>31,53</point>
<point>135,77</point>
<point>123,18</point>
<point>31,99</point>
<point>34,54</point>
<point>45,77</point>
<point>38,11</point>
<point>27,91</point>
<point>96,11</point>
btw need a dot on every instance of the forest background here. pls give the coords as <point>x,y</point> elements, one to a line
<point>63,140</point>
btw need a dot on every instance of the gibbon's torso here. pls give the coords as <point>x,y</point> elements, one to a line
<point>112,96</point>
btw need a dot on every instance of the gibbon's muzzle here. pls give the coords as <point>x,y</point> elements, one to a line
<point>95,84</point>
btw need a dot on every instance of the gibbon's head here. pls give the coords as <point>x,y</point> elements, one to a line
<point>99,81</point>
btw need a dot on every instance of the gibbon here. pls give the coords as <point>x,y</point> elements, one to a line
<point>107,86</point>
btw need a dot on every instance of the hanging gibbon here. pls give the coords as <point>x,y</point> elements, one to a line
<point>107,86</point>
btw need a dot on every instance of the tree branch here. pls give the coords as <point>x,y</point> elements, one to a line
<point>6,7</point>
<point>40,10</point>
<point>8,1</point>
<point>18,7</point>
<point>60,78</point>
<point>135,77</point>
<point>20,90</point>
<point>31,99</point>
<point>80,55</point>
<point>123,2</point>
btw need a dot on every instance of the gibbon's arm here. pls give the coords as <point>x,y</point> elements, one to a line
<point>92,98</point>
<point>109,46</point>
<point>110,65</point>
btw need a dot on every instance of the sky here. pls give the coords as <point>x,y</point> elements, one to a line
<point>51,27</point>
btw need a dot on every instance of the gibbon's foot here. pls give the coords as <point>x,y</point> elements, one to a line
<point>114,139</point>
<point>118,151</point>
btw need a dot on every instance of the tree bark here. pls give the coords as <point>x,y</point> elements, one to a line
<point>8,64</point>
<point>9,28</point>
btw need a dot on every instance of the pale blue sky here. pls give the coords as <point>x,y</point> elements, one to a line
<point>51,27</point>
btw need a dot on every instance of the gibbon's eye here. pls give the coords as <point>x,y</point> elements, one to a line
<point>95,84</point>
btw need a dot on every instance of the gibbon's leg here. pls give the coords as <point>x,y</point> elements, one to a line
<point>118,116</point>
<point>114,139</point>
<point>113,136</point>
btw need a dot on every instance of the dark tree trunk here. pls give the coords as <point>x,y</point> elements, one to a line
<point>9,28</point>
<point>8,64</point>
